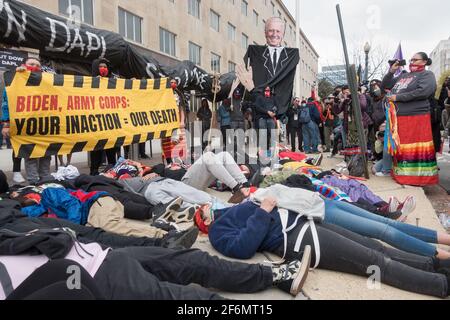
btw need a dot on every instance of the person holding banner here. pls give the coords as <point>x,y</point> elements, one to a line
<point>101,68</point>
<point>414,158</point>
<point>17,162</point>
<point>176,146</point>
<point>37,169</point>
<point>204,114</point>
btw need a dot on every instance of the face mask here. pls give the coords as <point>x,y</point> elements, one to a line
<point>173,85</point>
<point>103,71</point>
<point>416,68</point>
<point>377,92</point>
<point>304,105</point>
<point>33,68</point>
<point>267,94</point>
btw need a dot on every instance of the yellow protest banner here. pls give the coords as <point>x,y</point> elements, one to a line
<point>61,114</point>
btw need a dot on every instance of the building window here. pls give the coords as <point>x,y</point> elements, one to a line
<point>79,10</point>
<point>215,62</point>
<point>194,8</point>
<point>244,8</point>
<point>214,20</point>
<point>244,41</point>
<point>231,32</point>
<point>273,8</point>
<point>130,26</point>
<point>231,66</point>
<point>255,18</point>
<point>195,53</point>
<point>167,42</point>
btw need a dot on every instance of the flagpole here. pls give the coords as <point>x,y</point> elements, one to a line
<point>297,44</point>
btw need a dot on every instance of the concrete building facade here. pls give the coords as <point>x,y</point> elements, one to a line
<point>441,58</point>
<point>214,34</point>
<point>336,75</point>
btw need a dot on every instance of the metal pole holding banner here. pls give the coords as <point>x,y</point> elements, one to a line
<point>215,89</point>
<point>352,82</point>
<point>297,44</point>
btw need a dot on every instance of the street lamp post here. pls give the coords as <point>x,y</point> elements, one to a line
<point>366,51</point>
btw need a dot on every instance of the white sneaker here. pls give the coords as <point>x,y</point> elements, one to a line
<point>393,204</point>
<point>381,174</point>
<point>408,206</point>
<point>18,178</point>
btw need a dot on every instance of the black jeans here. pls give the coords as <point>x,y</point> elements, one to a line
<point>96,159</point>
<point>164,274</point>
<point>17,163</point>
<point>322,133</point>
<point>293,133</point>
<point>344,251</point>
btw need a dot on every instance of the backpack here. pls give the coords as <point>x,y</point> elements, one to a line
<point>356,166</point>
<point>304,116</point>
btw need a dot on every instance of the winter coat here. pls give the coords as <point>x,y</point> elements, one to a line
<point>65,204</point>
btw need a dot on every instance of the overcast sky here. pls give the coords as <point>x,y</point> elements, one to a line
<point>418,24</point>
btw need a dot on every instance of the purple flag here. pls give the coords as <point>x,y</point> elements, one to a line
<point>399,56</point>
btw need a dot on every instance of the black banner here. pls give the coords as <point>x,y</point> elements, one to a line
<point>63,40</point>
<point>11,59</point>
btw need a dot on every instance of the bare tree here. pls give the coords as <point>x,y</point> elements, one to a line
<point>378,60</point>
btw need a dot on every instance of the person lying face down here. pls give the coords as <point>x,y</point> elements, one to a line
<point>243,230</point>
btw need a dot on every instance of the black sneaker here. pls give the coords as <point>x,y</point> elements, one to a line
<point>163,212</point>
<point>183,239</point>
<point>295,274</point>
<point>164,225</point>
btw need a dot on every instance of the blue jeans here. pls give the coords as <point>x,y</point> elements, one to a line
<point>397,234</point>
<point>384,165</point>
<point>311,136</point>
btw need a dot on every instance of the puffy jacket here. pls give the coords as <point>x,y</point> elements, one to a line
<point>71,205</point>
